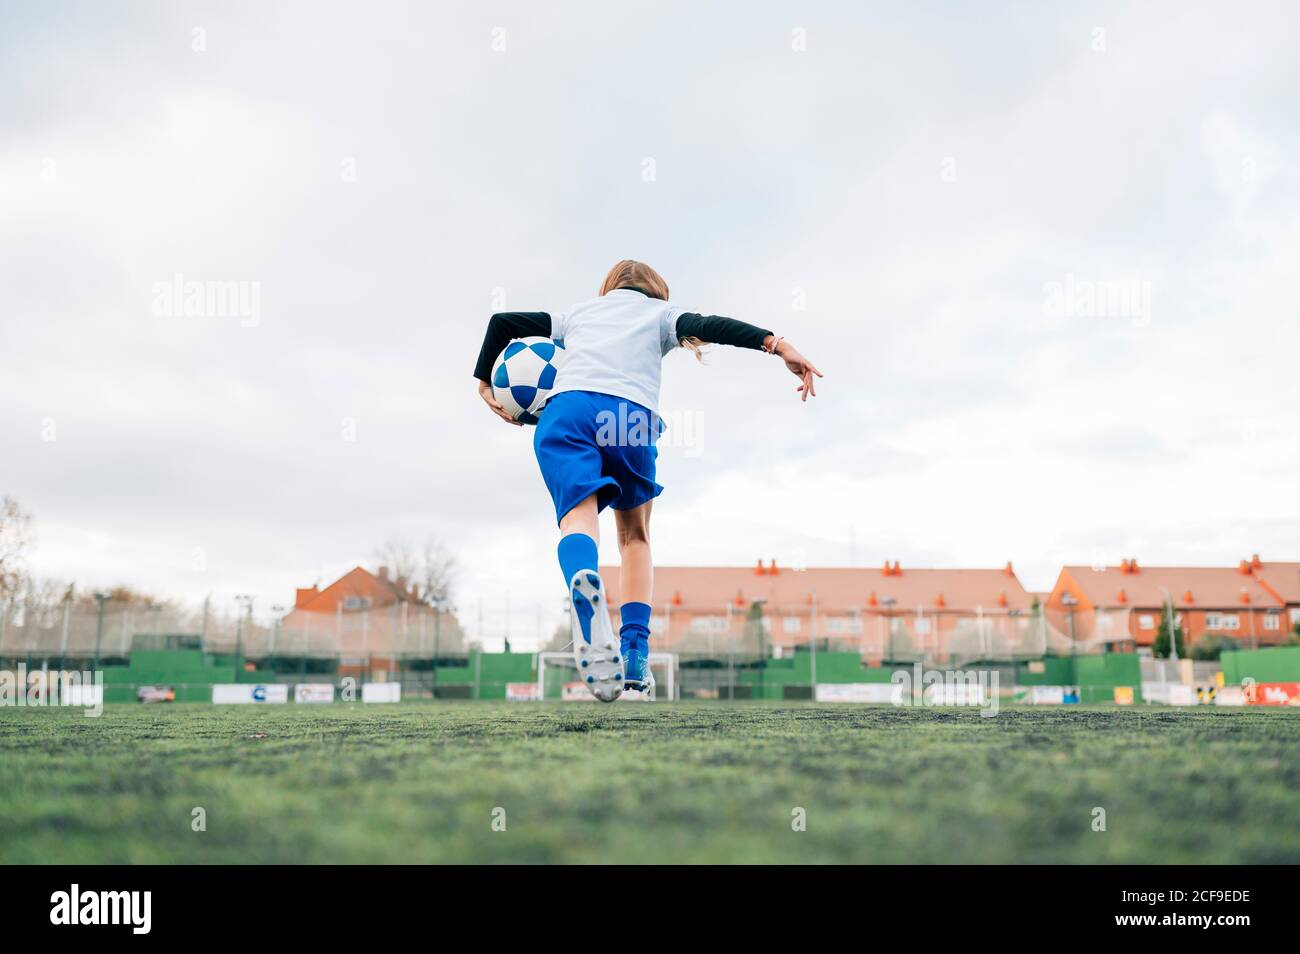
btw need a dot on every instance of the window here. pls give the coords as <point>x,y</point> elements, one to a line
<point>1146,621</point>
<point>921,626</point>
<point>356,602</point>
<point>790,624</point>
<point>843,625</point>
<point>1295,615</point>
<point>658,625</point>
<point>1272,621</point>
<point>709,624</point>
<point>1222,621</point>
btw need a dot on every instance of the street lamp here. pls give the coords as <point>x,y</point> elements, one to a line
<point>1173,625</point>
<point>762,658</point>
<point>1070,601</point>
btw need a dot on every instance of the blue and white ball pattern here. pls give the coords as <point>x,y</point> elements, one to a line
<point>524,375</point>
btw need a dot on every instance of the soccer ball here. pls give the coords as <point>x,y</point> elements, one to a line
<point>524,374</point>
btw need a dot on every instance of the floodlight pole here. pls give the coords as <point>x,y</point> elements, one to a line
<point>731,654</point>
<point>888,603</point>
<point>1071,601</point>
<point>275,627</point>
<point>63,642</point>
<point>99,626</point>
<point>246,604</point>
<point>812,643</point>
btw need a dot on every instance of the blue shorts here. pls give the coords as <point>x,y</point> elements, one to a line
<point>588,443</point>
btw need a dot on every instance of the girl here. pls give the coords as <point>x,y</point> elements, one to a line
<point>595,444</point>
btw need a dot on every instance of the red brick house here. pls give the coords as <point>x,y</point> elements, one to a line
<point>1283,581</point>
<point>1128,600</point>
<point>358,589</point>
<point>363,616</point>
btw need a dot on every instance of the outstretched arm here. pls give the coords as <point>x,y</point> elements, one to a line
<point>718,330</point>
<point>503,328</point>
<point>799,366</point>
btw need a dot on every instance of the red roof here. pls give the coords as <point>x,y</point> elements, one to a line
<point>838,589</point>
<point>1283,579</point>
<point>380,590</point>
<point>1208,587</point>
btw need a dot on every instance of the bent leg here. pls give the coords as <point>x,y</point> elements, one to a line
<point>579,539</point>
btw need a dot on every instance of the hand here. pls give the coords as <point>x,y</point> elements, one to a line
<point>485,392</point>
<point>800,367</point>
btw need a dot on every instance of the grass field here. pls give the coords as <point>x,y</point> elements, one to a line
<point>683,782</point>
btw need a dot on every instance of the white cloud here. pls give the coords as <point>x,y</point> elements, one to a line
<point>958,424</point>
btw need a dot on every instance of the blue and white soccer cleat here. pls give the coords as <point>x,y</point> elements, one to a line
<point>596,650</point>
<point>639,678</point>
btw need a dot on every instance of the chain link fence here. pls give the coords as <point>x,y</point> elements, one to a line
<point>78,631</point>
<point>893,636</point>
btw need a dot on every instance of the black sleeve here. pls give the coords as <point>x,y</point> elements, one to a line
<point>503,328</point>
<point>718,330</point>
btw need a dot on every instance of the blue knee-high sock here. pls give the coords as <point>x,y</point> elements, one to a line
<point>577,551</point>
<point>635,631</point>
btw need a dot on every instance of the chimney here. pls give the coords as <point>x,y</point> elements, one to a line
<point>771,568</point>
<point>1256,562</point>
<point>1245,596</point>
<point>1002,597</point>
<point>383,573</point>
<point>871,600</point>
<point>1187,597</point>
<point>758,568</point>
<point>940,602</point>
<point>304,595</point>
<point>1244,568</point>
<point>677,598</point>
<point>1008,570</point>
<point>897,570</point>
<point>1121,597</point>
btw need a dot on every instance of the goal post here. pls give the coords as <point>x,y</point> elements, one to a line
<point>557,676</point>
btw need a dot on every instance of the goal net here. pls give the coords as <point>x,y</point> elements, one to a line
<point>557,677</point>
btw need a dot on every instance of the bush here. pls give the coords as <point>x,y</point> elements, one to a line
<point>1209,646</point>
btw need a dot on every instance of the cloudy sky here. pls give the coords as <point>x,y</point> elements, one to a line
<point>1047,255</point>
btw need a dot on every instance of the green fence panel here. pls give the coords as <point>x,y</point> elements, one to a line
<point>1281,664</point>
<point>1056,671</point>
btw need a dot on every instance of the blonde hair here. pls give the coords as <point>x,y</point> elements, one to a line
<point>630,273</point>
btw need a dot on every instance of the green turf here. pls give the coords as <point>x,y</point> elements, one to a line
<point>685,782</point>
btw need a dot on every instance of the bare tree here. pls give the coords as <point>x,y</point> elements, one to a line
<point>437,572</point>
<point>400,558</point>
<point>123,595</point>
<point>15,540</point>
<point>42,601</point>
<point>431,568</point>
